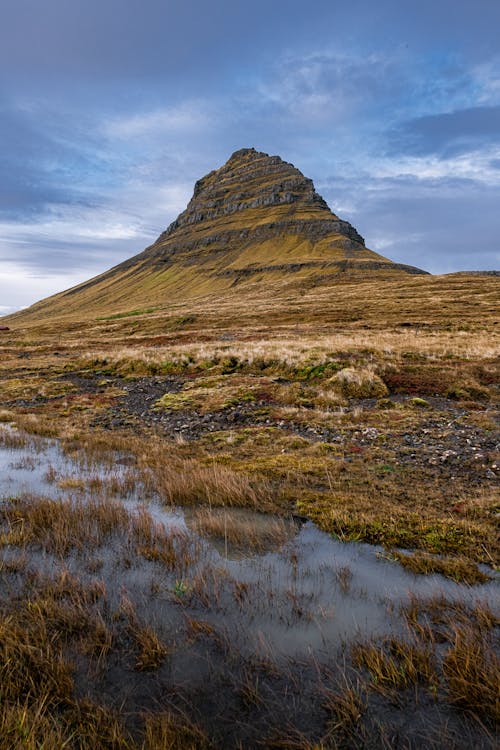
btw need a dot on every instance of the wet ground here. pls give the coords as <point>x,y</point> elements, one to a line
<point>250,603</point>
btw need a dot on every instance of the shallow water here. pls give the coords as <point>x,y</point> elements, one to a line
<point>305,593</point>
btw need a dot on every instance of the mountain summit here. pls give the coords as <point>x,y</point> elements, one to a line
<point>256,219</point>
<point>253,199</point>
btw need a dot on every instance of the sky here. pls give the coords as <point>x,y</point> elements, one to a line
<point>110,110</point>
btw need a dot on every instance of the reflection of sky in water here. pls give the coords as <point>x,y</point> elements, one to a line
<point>312,593</point>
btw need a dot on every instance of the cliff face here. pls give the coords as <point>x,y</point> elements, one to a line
<point>253,198</point>
<point>256,219</point>
<point>252,180</point>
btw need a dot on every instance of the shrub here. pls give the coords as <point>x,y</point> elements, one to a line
<point>359,383</point>
<point>466,390</point>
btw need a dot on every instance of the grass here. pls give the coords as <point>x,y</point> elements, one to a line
<point>187,481</point>
<point>470,665</point>
<point>60,622</point>
<point>129,314</point>
<point>403,526</point>
<point>240,532</point>
<point>39,708</point>
<point>346,709</point>
<point>166,730</point>
<point>60,526</point>
<point>395,665</point>
<point>456,568</point>
<point>339,402</point>
<point>359,383</point>
<point>150,651</point>
<point>472,673</point>
<point>466,676</point>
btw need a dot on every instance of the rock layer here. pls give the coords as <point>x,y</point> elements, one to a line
<point>253,198</point>
<point>259,212</point>
<point>250,179</point>
<point>255,220</point>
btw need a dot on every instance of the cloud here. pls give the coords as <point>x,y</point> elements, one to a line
<point>477,166</point>
<point>450,132</point>
<point>487,78</point>
<point>21,286</point>
<point>441,225</point>
<point>328,88</point>
<point>192,116</point>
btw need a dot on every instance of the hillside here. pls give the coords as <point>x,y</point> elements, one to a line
<point>255,220</point>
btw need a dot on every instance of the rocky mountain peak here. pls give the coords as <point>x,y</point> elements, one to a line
<point>249,179</point>
<point>257,220</point>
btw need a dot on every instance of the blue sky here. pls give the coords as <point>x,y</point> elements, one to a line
<point>111,109</point>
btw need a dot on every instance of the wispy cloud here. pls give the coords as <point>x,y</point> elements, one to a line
<point>323,88</point>
<point>487,77</point>
<point>478,166</point>
<point>21,285</point>
<point>192,116</point>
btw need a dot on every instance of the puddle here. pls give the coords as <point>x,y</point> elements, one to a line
<point>256,614</point>
<point>281,587</point>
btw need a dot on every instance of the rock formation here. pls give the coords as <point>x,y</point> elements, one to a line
<point>256,219</point>
<point>256,200</point>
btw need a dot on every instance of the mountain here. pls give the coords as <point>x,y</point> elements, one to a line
<point>256,219</point>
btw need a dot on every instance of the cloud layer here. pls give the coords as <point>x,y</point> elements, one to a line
<point>110,112</point>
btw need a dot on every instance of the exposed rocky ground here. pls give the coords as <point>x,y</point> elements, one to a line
<point>437,437</point>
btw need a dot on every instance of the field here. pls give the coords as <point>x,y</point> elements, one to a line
<point>368,406</point>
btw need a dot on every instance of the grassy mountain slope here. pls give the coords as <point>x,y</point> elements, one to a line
<point>255,221</point>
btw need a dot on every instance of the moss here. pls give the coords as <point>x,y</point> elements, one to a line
<point>316,371</point>
<point>177,402</point>
<point>402,528</point>
<point>385,403</point>
<point>210,394</point>
<point>130,313</point>
<point>231,364</point>
<point>419,402</point>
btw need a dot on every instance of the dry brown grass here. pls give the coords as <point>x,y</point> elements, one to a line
<point>456,568</point>
<point>187,481</point>
<point>154,542</point>
<point>61,525</point>
<point>395,664</point>
<point>173,732</point>
<point>291,348</point>
<point>241,532</point>
<point>345,707</point>
<point>469,666</point>
<point>23,727</point>
<point>359,383</point>
<point>150,651</point>
<point>13,439</point>
<point>38,705</point>
<point>472,672</point>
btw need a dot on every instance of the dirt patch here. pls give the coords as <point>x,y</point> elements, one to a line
<point>439,440</point>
